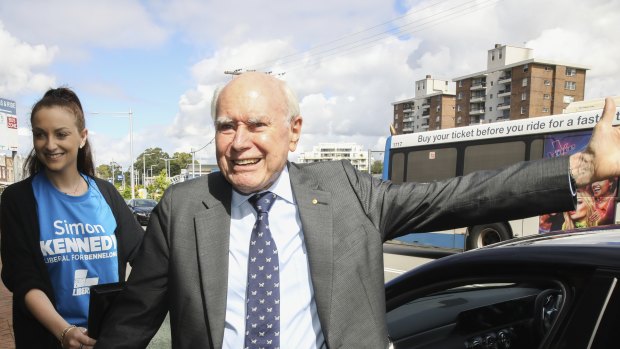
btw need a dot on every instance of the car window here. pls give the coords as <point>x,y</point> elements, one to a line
<point>145,203</point>
<point>477,315</point>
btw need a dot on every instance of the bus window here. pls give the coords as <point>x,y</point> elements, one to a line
<point>536,149</point>
<point>431,165</point>
<point>492,156</point>
<point>398,168</point>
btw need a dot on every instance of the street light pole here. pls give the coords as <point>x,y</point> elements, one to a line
<point>194,157</point>
<point>130,116</point>
<point>167,167</point>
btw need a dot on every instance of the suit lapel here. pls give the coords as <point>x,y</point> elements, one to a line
<point>212,227</point>
<point>315,212</point>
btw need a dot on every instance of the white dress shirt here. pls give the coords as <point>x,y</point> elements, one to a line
<point>299,321</point>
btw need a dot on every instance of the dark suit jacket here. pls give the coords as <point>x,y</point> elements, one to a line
<point>183,263</point>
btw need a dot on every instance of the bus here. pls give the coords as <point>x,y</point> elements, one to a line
<point>446,153</point>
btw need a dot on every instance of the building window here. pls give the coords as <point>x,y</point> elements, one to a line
<point>523,96</point>
<point>396,116</point>
<point>545,110</point>
<point>500,54</point>
<point>524,82</point>
<point>546,96</point>
<point>492,57</point>
<point>460,83</point>
<point>547,68</point>
<point>458,120</point>
<point>547,82</point>
<point>522,110</point>
<point>571,71</point>
<point>526,68</point>
<point>569,99</point>
<point>570,85</point>
<point>459,95</point>
<point>458,107</point>
<point>491,96</point>
<point>438,108</point>
<point>490,108</point>
<point>491,82</point>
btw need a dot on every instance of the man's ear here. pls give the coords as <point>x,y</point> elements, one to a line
<point>295,125</point>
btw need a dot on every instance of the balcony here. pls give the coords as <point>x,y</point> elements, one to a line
<point>503,106</point>
<point>476,112</point>
<point>426,106</point>
<point>424,127</point>
<point>478,86</point>
<point>504,93</point>
<point>426,116</point>
<point>506,79</point>
<point>476,99</point>
<point>408,109</point>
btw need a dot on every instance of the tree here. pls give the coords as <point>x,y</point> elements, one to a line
<point>181,160</point>
<point>377,167</point>
<point>103,171</point>
<point>151,157</point>
<point>159,185</point>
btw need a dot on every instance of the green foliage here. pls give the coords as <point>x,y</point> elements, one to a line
<point>159,185</point>
<point>377,167</point>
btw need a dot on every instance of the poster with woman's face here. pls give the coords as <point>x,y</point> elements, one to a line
<point>595,203</point>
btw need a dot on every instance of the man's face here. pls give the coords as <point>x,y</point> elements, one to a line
<point>253,135</point>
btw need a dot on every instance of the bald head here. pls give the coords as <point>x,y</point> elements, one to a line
<point>253,84</point>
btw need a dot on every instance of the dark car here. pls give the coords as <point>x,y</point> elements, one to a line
<point>141,209</point>
<point>543,291</point>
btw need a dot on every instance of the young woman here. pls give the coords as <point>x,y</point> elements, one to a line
<point>63,230</point>
<point>604,193</point>
<point>581,217</point>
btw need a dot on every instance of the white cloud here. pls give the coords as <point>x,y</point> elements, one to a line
<point>78,26</point>
<point>22,66</point>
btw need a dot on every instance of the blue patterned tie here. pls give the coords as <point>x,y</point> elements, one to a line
<point>262,321</point>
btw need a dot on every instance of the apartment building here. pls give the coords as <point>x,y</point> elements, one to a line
<point>432,108</point>
<point>516,85</point>
<point>337,151</point>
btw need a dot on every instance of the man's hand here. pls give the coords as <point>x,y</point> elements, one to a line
<point>601,158</point>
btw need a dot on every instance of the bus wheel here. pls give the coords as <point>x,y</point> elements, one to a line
<point>482,235</point>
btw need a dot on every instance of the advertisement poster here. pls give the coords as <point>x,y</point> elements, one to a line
<point>595,203</point>
<point>8,125</point>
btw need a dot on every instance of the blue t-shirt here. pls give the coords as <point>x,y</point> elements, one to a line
<point>78,244</point>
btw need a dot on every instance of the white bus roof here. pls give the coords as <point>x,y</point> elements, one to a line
<point>536,125</point>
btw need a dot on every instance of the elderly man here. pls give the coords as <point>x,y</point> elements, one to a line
<point>270,254</point>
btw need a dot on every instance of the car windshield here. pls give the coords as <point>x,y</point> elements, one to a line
<point>145,203</point>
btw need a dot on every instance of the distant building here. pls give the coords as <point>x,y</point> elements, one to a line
<point>432,108</point>
<point>516,85</point>
<point>337,151</point>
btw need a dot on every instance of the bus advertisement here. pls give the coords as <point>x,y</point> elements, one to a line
<point>442,154</point>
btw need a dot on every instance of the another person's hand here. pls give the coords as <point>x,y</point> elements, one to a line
<point>601,158</point>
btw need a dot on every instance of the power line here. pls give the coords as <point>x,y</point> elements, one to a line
<point>408,28</point>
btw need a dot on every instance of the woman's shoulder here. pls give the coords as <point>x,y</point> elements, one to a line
<point>18,188</point>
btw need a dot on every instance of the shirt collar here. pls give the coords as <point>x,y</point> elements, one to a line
<point>281,187</point>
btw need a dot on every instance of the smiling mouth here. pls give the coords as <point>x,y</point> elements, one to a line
<point>245,162</point>
<point>54,156</point>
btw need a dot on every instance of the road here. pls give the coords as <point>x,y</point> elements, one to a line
<point>394,265</point>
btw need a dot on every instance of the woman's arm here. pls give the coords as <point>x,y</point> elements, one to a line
<point>42,309</point>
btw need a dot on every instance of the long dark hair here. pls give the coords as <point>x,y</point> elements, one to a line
<point>65,98</point>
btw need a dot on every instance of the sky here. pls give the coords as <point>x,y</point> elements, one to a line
<point>347,60</point>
